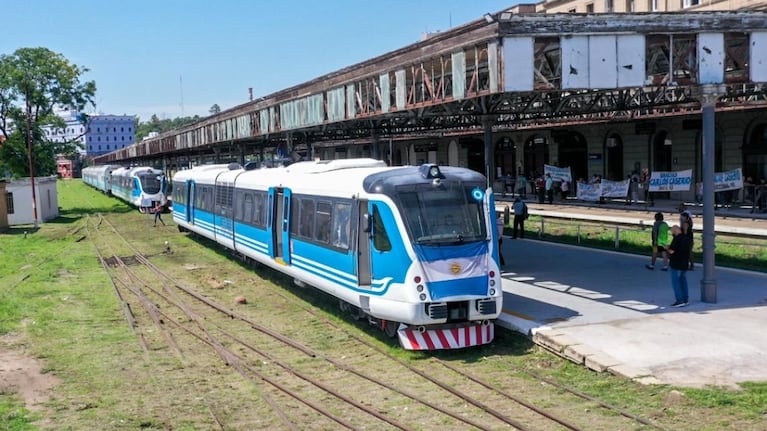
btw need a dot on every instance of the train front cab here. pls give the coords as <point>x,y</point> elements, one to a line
<point>452,290</point>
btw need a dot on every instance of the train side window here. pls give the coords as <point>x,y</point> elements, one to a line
<point>247,207</point>
<point>341,225</point>
<point>322,229</point>
<point>259,209</point>
<point>380,238</point>
<point>295,216</point>
<point>306,223</point>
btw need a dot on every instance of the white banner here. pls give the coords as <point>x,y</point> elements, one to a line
<point>615,189</point>
<point>730,180</point>
<point>557,173</point>
<point>588,192</point>
<point>671,181</point>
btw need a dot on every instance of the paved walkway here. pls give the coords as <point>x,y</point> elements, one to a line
<point>607,311</point>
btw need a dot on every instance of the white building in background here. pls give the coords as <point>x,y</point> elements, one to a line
<point>18,195</point>
<point>73,129</point>
<point>98,134</point>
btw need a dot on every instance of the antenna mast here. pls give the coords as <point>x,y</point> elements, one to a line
<point>181,88</point>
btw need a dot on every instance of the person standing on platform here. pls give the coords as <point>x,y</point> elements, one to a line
<point>660,241</point>
<point>565,189</point>
<point>500,225</point>
<point>644,179</point>
<point>679,252</point>
<point>520,215</point>
<point>522,186</point>
<point>685,221</point>
<point>549,189</point>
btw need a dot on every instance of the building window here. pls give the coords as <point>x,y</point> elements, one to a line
<point>571,11</point>
<point>590,8</point>
<point>608,5</point>
<point>9,202</point>
<point>655,6</point>
<point>630,6</point>
<point>690,3</point>
<point>122,129</point>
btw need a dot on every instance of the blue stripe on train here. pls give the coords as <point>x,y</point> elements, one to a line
<point>465,286</point>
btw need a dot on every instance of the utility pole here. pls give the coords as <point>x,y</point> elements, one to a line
<point>31,156</point>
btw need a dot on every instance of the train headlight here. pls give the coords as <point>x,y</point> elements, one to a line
<point>430,171</point>
<point>419,288</point>
<point>492,292</point>
<point>492,282</point>
<point>423,297</point>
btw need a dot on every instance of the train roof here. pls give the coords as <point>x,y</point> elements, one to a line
<point>98,169</point>
<point>344,177</point>
<point>136,170</point>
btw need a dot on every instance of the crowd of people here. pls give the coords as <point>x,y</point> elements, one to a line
<point>546,189</point>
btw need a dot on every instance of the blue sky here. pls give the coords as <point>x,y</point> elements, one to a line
<point>155,57</point>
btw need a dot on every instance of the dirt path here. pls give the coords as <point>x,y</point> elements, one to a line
<point>24,375</point>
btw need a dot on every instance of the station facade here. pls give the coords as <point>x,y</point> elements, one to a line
<point>511,93</point>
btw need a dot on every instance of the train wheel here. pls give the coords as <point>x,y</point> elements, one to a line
<point>353,311</point>
<point>390,328</point>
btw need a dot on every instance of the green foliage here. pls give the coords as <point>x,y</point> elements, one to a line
<point>751,400</point>
<point>731,251</point>
<point>33,81</point>
<point>161,126</point>
<point>13,417</point>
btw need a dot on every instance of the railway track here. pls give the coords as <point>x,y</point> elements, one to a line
<point>350,383</point>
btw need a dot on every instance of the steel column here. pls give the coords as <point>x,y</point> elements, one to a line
<point>708,98</point>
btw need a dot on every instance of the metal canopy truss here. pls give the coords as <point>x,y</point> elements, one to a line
<point>518,71</point>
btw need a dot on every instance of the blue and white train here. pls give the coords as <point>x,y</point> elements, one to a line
<point>142,187</point>
<point>412,249</point>
<point>99,177</point>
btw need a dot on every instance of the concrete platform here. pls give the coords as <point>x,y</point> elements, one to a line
<point>605,310</point>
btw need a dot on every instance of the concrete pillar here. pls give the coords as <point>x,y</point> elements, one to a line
<point>709,94</point>
<point>487,123</point>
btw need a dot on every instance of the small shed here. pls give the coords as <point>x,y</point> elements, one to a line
<point>19,200</point>
<point>3,207</point>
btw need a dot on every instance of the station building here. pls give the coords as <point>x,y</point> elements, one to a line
<point>608,95</point>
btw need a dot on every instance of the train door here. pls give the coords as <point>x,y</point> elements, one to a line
<point>190,195</point>
<point>365,224</point>
<point>279,224</point>
<point>285,234</point>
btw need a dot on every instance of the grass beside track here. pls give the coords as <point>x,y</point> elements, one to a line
<point>56,304</point>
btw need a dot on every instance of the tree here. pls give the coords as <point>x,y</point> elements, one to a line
<point>215,109</point>
<point>161,126</point>
<point>32,82</point>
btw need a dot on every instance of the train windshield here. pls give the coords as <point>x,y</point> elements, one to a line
<point>151,182</point>
<point>443,214</point>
